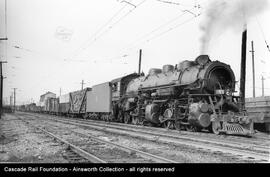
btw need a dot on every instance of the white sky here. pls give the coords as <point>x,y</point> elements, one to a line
<point>98,49</point>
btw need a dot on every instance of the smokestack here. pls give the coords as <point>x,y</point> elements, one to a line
<point>243,67</point>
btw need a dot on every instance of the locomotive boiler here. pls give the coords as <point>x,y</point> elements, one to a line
<point>192,95</point>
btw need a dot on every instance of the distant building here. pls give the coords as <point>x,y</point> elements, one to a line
<point>45,96</point>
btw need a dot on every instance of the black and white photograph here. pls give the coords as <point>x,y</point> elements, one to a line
<point>143,86</point>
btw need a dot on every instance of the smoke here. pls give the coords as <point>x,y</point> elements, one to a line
<point>222,15</point>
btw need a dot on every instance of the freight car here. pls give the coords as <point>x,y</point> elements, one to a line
<point>52,106</point>
<point>78,102</point>
<point>64,104</point>
<point>259,108</point>
<point>99,102</point>
<point>72,104</point>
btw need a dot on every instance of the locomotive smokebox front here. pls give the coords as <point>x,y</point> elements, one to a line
<point>217,77</point>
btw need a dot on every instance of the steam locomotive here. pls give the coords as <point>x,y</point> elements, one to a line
<point>192,95</point>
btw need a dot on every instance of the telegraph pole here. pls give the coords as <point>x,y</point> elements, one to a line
<point>1,82</point>
<point>140,60</point>
<point>253,68</point>
<point>14,98</point>
<point>11,97</point>
<point>82,84</point>
<point>263,86</point>
<point>1,88</point>
<point>60,91</point>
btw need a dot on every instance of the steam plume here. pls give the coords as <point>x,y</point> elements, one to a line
<point>224,14</point>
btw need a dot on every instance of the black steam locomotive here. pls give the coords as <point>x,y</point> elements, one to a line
<point>193,95</point>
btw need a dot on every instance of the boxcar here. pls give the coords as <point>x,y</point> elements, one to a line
<point>48,105</point>
<point>52,105</point>
<point>78,102</point>
<point>64,104</point>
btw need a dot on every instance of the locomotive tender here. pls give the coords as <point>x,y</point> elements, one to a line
<point>193,95</point>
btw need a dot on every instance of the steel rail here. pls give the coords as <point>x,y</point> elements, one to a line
<point>168,139</point>
<point>125,148</point>
<point>187,137</point>
<point>183,135</point>
<point>207,136</point>
<point>146,155</point>
<point>76,149</point>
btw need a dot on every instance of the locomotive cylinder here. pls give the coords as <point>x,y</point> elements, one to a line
<point>198,115</point>
<point>152,113</point>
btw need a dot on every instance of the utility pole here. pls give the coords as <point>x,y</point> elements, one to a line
<point>14,98</point>
<point>1,82</point>
<point>82,84</point>
<point>253,67</point>
<point>263,86</point>
<point>140,60</point>
<point>11,97</point>
<point>60,91</point>
<point>243,68</point>
<point>1,88</point>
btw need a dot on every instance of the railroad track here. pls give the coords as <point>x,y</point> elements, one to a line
<point>133,154</point>
<point>256,139</point>
<point>239,143</point>
<point>257,153</point>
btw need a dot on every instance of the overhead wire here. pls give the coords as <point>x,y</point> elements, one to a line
<point>172,28</point>
<point>263,35</point>
<point>99,30</point>
<point>103,60</point>
<point>171,2</point>
<point>126,14</point>
<point>91,41</point>
<point>125,55</point>
<point>157,28</point>
<point>168,30</point>
<point>163,25</point>
<point>144,39</point>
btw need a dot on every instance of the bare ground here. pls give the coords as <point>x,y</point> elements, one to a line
<point>22,143</point>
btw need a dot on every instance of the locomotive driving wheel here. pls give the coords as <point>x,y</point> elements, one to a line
<point>216,127</point>
<point>135,120</point>
<point>178,125</point>
<point>169,124</point>
<point>120,116</point>
<point>192,128</point>
<point>126,118</point>
<point>189,128</point>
